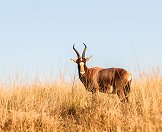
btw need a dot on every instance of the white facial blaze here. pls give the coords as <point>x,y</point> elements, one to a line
<point>82,71</point>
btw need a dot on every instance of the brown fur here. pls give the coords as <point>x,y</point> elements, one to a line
<point>105,80</point>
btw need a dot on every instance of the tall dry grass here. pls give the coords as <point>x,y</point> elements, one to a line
<point>61,106</point>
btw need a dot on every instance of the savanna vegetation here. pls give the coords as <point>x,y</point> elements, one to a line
<point>66,106</point>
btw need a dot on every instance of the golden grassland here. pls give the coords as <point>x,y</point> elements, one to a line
<point>63,106</point>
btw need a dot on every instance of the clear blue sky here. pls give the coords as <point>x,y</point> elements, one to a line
<point>37,35</point>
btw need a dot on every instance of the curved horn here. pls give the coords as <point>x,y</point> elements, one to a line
<point>83,54</point>
<point>78,55</point>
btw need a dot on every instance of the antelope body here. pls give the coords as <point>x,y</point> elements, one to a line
<point>105,80</point>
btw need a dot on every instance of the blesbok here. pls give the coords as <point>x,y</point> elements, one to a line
<point>105,80</point>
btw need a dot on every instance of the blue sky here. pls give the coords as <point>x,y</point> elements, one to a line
<point>38,35</point>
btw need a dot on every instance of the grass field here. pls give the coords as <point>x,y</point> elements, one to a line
<point>64,106</point>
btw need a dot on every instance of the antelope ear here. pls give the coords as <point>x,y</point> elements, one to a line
<point>88,58</point>
<point>74,60</point>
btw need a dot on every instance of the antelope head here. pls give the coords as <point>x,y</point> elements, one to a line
<point>81,60</point>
